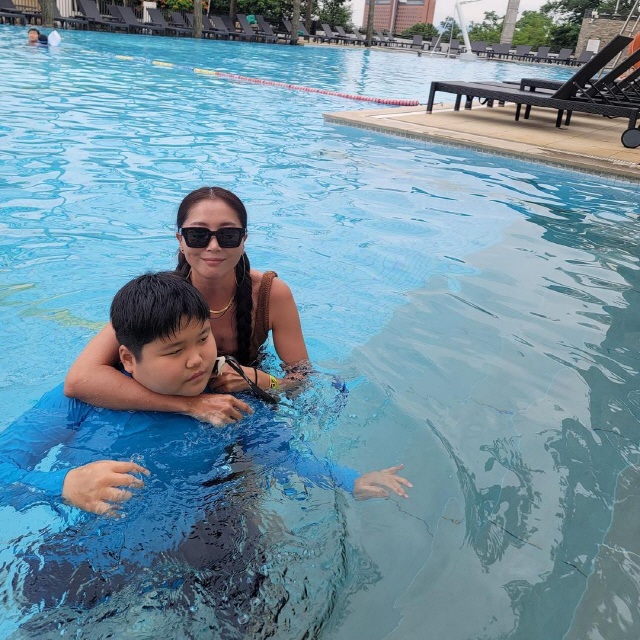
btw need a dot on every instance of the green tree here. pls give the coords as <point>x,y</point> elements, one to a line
<point>489,29</point>
<point>450,29</point>
<point>335,13</point>
<point>424,29</point>
<point>564,34</point>
<point>534,28</point>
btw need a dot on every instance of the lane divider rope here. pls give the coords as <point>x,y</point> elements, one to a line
<point>271,83</point>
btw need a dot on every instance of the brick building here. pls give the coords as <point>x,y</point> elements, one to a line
<point>398,15</point>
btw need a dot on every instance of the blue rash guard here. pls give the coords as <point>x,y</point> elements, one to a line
<point>60,433</point>
<point>203,491</point>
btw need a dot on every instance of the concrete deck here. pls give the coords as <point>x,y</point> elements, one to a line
<point>590,144</point>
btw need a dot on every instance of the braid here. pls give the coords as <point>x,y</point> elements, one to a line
<point>183,267</point>
<point>244,309</point>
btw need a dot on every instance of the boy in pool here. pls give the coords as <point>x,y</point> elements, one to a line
<point>162,324</point>
<point>33,36</point>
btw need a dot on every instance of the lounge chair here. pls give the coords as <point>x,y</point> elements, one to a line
<point>345,37</point>
<point>541,55</point>
<point>360,36</point>
<point>479,47</point>
<point>250,33</point>
<point>178,21</point>
<point>564,57</point>
<point>417,42</point>
<point>266,28</point>
<point>435,44</point>
<point>133,24</point>
<point>231,27</point>
<point>157,18</point>
<point>302,31</point>
<point>563,99</point>
<point>208,30</point>
<point>612,87</point>
<point>329,35</point>
<point>500,50</point>
<point>585,56</point>
<point>90,10</point>
<point>382,39</point>
<point>64,20</point>
<point>523,52</point>
<point>454,47</point>
<point>9,11</point>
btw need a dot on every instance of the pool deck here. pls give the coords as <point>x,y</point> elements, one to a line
<point>590,144</point>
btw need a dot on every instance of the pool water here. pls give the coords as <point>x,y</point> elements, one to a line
<point>480,311</point>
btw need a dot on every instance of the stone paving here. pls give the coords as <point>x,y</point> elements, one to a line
<point>590,144</point>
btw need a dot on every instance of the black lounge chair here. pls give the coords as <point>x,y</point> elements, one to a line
<point>500,51</point>
<point>65,20</point>
<point>250,33</point>
<point>612,87</point>
<point>157,18</point>
<point>178,21</point>
<point>435,44</point>
<point>129,19</point>
<point>230,26</point>
<point>90,10</point>
<point>562,99</point>
<point>382,39</point>
<point>585,56</point>
<point>564,57</point>
<point>454,47</point>
<point>523,52</point>
<point>417,42</point>
<point>347,37</point>
<point>208,30</point>
<point>329,36</point>
<point>302,31</point>
<point>541,55</point>
<point>479,47</point>
<point>9,11</point>
<point>266,29</point>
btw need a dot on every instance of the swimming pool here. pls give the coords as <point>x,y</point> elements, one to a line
<point>480,311</point>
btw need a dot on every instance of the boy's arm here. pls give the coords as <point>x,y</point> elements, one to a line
<point>25,442</point>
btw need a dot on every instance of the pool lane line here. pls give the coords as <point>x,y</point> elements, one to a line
<point>271,83</point>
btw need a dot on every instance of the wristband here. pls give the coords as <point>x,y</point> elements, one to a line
<point>273,383</point>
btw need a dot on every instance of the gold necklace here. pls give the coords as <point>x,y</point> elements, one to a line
<point>221,312</point>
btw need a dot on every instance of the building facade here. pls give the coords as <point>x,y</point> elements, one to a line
<point>398,15</point>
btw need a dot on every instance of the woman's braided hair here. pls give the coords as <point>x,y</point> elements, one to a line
<point>244,295</point>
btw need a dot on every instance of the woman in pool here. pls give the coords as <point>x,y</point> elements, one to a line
<point>245,305</point>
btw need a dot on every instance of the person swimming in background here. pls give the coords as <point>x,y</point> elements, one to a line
<point>33,36</point>
<point>197,480</point>
<point>245,306</point>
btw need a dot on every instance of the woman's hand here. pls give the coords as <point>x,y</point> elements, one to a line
<point>94,487</point>
<point>217,409</point>
<point>375,484</point>
<point>230,381</point>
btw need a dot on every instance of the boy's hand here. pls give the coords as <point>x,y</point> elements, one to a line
<point>375,484</point>
<point>230,381</point>
<point>94,487</point>
<point>217,409</point>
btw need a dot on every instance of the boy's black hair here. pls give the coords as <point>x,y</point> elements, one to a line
<point>34,29</point>
<point>155,305</point>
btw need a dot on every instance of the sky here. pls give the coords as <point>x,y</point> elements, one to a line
<point>472,12</point>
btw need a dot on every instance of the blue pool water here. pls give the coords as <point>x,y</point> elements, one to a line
<point>480,311</point>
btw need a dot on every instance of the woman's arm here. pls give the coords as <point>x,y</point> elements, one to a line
<point>94,379</point>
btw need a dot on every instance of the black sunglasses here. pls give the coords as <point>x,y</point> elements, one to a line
<point>199,238</point>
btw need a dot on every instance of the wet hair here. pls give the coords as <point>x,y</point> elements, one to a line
<point>34,29</point>
<point>155,305</point>
<point>244,296</point>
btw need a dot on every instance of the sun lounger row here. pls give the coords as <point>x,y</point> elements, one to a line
<point>123,18</point>
<point>523,52</point>
<point>616,95</point>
